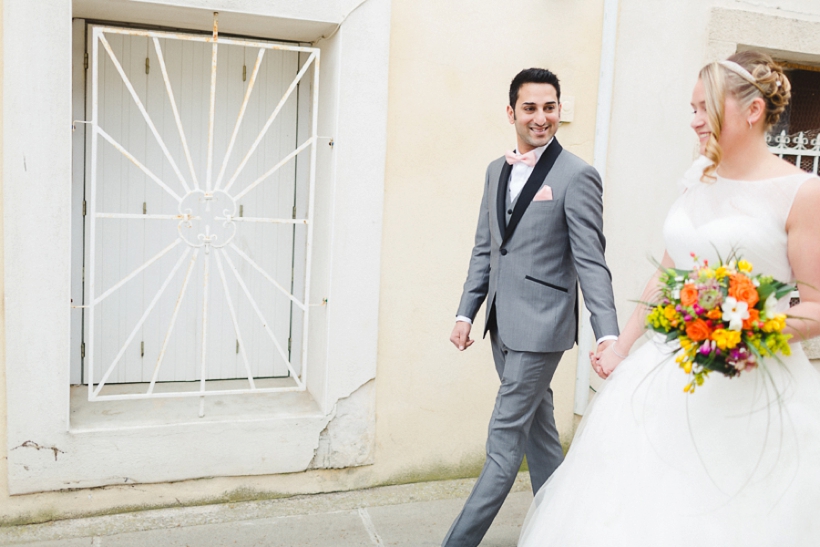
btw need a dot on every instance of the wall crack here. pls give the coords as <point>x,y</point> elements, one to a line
<point>32,444</point>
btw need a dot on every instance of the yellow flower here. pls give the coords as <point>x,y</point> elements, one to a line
<point>775,324</point>
<point>744,266</point>
<point>687,367</point>
<point>726,339</point>
<point>707,273</point>
<point>721,272</point>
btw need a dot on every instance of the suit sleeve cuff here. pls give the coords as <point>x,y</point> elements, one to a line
<point>464,319</point>
<point>605,338</point>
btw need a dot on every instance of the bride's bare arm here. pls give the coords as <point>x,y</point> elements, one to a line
<point>803,227</point>
<point>634,328</point>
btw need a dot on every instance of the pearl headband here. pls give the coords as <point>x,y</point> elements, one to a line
<point>742,72</point>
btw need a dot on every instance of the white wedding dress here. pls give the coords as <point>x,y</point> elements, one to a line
<point>737,463</point>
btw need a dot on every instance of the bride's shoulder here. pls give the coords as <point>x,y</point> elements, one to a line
<point>806,203</point>
<point>693,175</point>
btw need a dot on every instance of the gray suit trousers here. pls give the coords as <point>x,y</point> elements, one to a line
<point>522,422</point>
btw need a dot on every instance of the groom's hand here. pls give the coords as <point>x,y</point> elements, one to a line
<point>604,362</point>
<point>461,335</point>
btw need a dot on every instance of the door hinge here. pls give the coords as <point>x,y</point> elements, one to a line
<point>241,210</point>
<point>147,65</point>
<point>294,212</point>
<point>290,340</point>
<point>84,204</point>
<point>237,346</point>
<point>244,72</point>
<point>144,208</point>
<point>142,349</point>
<point>82,350</point>
<point>85,61</point>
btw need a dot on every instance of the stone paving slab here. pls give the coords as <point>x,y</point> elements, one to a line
<point>413,515</point>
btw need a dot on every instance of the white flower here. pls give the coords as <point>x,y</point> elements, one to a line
<point>734,312</point>
<point>770,307</point>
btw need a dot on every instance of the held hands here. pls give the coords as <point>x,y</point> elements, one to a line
<point>461,335</point>
<point>605,359</point>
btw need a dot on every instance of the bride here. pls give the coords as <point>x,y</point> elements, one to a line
<point>737,463</point>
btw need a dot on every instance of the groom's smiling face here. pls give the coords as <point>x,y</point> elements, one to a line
<point>536,116</point>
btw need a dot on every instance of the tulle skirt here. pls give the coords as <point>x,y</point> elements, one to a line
<point>737,463</point>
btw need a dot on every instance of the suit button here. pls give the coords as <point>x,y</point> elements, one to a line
<point>509,211</point>
<point>503,252</point>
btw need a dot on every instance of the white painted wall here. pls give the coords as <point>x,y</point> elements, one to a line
<point>449,68</point>
<point>238,436</point>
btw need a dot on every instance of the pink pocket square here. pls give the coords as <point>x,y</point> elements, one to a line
<point>544,194</point>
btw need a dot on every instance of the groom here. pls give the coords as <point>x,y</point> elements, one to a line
<point>539,233</point>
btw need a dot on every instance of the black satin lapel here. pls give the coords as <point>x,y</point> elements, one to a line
<point>542,169</point>
<point>501,197</point>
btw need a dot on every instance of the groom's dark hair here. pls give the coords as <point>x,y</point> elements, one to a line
<point>533,76</point>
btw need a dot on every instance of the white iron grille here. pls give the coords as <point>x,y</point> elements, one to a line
<point>206,221</point>
<point>796,146</point>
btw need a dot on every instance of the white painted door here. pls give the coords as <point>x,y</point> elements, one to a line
<point>206,293</point>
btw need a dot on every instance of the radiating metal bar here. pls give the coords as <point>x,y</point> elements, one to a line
<point>202,372</point>
<point>311,200</point>
<point>239,117</point>
<point>137,216</point>
<point>207,38</point>
<point>231,310</point>
<point>142,110</point>
<point>170,330</point>
<point>263,320</point>
<point>272,170</point>
<point>267,276</point>
<point>182,394</point>
<point>212,107</point>
<point>177,119</point>
<point>267,220</point>
<point>130,276</point>
<point>92,229</point>
<point>136,162</point>
<point>270,119</point>
<point>141,321</point>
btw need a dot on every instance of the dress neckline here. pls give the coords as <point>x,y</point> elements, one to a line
<point>802,173</point>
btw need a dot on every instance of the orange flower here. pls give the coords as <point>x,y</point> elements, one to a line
<point>714,314</point>
<point>698,330</point>
<point>689,295</point>
<point>754,317</point>
<point>742,288</point>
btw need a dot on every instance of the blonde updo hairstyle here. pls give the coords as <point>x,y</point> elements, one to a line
<point>771,84</point>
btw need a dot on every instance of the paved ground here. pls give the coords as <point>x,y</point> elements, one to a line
<point>414,515</point>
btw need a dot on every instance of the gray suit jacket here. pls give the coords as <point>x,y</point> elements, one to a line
<point>530,282</point>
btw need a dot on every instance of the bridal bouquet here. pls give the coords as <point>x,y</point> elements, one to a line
<point>724,317</point>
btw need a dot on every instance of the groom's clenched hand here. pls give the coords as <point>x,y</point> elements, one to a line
<point>461,335</point>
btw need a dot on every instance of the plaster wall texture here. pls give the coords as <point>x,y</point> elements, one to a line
<point>450,65</point>
<point>449,71</point>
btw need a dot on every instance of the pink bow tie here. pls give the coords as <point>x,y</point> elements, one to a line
<point>527,159</point>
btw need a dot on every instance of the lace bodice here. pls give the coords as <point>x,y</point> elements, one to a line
<point>744,217</point>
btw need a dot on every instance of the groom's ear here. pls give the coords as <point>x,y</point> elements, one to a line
<point>510,114</point>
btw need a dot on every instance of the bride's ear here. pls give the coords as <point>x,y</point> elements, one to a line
<point>756,111</point>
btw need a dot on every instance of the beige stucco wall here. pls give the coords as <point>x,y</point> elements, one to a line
<point>450,68</point>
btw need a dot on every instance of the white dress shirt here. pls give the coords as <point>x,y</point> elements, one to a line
<point>518,178</point>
